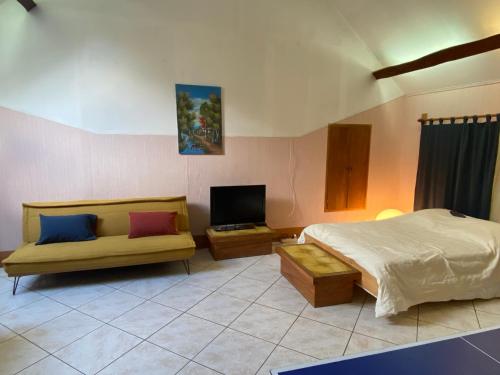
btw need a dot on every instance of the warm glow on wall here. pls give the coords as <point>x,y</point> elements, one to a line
<point>389,213</point>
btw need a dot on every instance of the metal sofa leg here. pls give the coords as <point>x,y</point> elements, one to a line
<point>186,266</point>
<point>16,283</point>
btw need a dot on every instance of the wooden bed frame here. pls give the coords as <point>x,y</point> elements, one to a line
<point>368,282</point>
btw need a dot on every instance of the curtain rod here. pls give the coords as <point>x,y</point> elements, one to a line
<point>425,118</point>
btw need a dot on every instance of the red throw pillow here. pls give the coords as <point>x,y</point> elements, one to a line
<point>143,224</point>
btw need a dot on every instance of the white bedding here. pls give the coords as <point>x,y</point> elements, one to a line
<point>424,256</point>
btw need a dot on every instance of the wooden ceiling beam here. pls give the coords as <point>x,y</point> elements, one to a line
<point>27,4</point>
<point>445,55</point>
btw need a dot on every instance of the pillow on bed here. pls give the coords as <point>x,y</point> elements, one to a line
<point>158,223</point>
<point>68,228</point>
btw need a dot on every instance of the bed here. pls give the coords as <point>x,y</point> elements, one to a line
<point>424,256</point>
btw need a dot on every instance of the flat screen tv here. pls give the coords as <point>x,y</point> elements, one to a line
<point>238,205</point>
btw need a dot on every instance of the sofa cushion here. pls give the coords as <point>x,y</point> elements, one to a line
<point>67,228</point>
<point>102,247</point>
<point>157,223</point>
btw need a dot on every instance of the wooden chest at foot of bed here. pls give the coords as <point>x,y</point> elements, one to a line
<point>320,277</point>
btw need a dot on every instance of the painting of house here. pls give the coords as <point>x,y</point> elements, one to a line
<point>199,119</point>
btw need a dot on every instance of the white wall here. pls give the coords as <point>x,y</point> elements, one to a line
<point>287,67</point>
<point>400,31</point>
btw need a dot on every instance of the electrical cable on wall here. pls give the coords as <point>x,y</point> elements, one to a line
<point>187,176</point>
<point>291,174</point>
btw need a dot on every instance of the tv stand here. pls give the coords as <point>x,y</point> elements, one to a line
<point>240,243</point>
<point>227,227</point>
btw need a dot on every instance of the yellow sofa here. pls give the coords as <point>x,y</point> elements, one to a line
<point>112,248</point>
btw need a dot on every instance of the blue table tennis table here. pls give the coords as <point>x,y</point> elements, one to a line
<point>476,353</point>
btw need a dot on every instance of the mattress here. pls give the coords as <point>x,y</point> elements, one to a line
<point>425,256</point>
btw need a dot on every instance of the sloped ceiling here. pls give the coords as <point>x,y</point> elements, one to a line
<point>398,31</point>
<point>286,67</point>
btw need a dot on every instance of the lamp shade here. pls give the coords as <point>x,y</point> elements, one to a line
<point>387,214</point>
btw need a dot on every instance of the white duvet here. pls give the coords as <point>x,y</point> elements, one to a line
<point>424,256</point>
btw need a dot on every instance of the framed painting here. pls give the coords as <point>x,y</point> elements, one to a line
<point>199,119</point>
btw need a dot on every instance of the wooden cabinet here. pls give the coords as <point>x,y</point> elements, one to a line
<point>348,155</point>
<point>240,243</point>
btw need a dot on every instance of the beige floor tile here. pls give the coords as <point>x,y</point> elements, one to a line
<point>487,320</point>
<point>284,282</point>
<point>23,297</point>
<point>456,314</point>
<point>187,335</point>
<point>193,368</point>
<point>5,333</point>
<point>428,331</point>
<point>49,365</point>
<point>57,333</point>
<point>111,305</point>
<point>235,353</point>
<point>262,272</point>
<point>244,288</point>
<point>147,359</point>
<point>360,344</point>
<point>152,286</point>
<point>342,316</point>
<point>237,264</point>
<point>282,298</point>
<point>98,349</point>
<point>219,308</point>
<point>17,354</point>
<point>79,295</point>
<point>32,315</point>
<point>201,260</point>
<point>3,273</point>
<point>398,330</point>
<point>283,357</point>
<point>264,322</point>
<point>271,260</point>
<point>210,279</point>
<point>370,302</point>
<point>145,319</point>
<point>50,284</point>
<point>182,296</point>
<point>119,277</point>
<point>316,339</point>
<point>491,306</point>
<point>5,285</point>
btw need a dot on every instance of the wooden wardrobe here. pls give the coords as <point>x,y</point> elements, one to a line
<point>348,156</point>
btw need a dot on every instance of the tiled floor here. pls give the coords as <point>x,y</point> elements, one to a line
<point>236,316</point>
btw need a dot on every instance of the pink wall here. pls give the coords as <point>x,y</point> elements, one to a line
<point>398,119</point>
<point>43,160</point>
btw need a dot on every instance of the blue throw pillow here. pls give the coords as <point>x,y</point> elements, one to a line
<point>69,228</point>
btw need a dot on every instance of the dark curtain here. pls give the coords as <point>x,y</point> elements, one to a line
<point>456,166</point>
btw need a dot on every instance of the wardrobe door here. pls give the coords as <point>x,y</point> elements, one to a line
<point>348,155</point>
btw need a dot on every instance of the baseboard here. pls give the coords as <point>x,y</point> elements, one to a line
<point>201,241</point>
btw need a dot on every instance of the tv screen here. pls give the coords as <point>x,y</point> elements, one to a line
<point>237,204</point>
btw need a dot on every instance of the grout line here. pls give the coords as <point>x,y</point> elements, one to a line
<point>143,340</point>
<point>475,312</point>
<point>199,364</point>
<point>354,326</point>
<point>227,326</point>
<point>418,322</point>
<point>242,312</point>
<point>481,350</point>
<point>282,337</point>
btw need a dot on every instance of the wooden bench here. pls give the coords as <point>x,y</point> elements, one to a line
<point>322,279</point>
